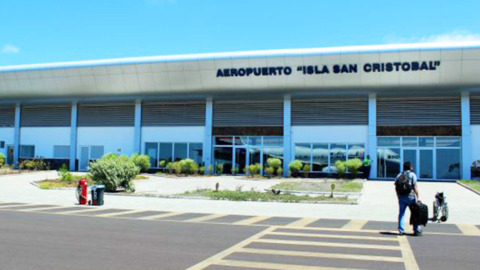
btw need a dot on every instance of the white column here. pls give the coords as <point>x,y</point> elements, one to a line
<point>73,137</point>
<point>466,137</point>
<point>287,133</point>
<point>137,144</point>
<point>372,133</point>
<point>207,143</point>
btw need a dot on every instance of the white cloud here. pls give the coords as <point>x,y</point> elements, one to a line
<point>10,49</point>
<point>451,37</point>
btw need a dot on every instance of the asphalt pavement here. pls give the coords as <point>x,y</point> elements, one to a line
<point>59,237</point>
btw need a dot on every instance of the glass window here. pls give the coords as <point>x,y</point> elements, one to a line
<point>223,155</point>
<point>272,152</point>
<point>388,160</point>
<point>196,152</point>
<point>61,151</point>
<point>389,141</point>
<point>448,142</point>
<point>27,151</point>
<point>302,152</point>
<point>320,157</point>
<point>425,141</point>
<point>273,141</point>
<point>96,152</point>
<point>448,163</point>
<point>151,150</point>
<point>409,141</point>
<point>180,151</point>
<point>166,152</point>
<point>356,151</point>
<point>241,140</point>
<point>2,144</point>
<point>337,152</point>
<point>220,140</point>
<point>255,140</point>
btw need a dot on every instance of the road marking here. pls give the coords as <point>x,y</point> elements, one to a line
<point>164,215</point>
<point>302,222</point>
<point>120,213</point>
<point>355,224</point>
<point>219,256</point>
<point>358,237</point>
<point>407,254</point>
<point>204,218</point>
<point>17,205</point>
<point>250,221</point>
<point>274,266</point>
<point>468,229</point>
<point>321,255</point>
<point>82,211</point>
<point>326,244</point>
<point>44,208</point>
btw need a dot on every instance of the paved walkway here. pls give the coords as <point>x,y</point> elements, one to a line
<point>377,203</point>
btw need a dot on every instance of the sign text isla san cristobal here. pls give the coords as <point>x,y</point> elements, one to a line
<point>412,66</point>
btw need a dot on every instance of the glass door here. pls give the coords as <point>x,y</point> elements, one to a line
<point>426,164</point>
<point>410,155</point>
<point>388,162</point>
<point>240,160</point>
<point>84,158</point>
<point>9,154</point>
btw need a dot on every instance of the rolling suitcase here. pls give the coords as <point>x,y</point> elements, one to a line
<point>419,214</point>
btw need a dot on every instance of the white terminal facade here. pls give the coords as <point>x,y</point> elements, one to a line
<point>396,103</point>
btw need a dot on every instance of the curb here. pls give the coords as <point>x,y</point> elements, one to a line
<point>467,187</point>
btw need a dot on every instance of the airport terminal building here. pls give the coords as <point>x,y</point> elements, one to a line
<point>396,103</point>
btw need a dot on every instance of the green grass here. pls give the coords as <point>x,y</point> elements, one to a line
<point>260,196</point>
<point>475,184</point>
<point>340,186</point>
<point>50,184</point>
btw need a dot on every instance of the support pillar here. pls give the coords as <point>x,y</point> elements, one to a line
<point>16,138</point>
<point>73,137</point>
<point>207,143</point>
<point>287,133</point>
<point>466,137</point>
<point>137,144</point>
<point>372,133</point>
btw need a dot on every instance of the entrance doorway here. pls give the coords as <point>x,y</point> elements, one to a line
<point>89,154</point>
<point>10,154</point>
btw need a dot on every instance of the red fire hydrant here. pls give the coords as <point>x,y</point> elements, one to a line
<point>82,191</point>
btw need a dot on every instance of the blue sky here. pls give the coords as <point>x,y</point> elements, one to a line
<point>42,31</point>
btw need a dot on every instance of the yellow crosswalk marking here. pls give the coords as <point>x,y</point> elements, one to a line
<point>164,215</point>
<point>44,208</point>
<point>468,229</point>
<point>204,218</point>
<point>120,213</point>
<point>355,224</point>
<point>321,255</point>
<point>407,254</point>
<point>274,266</point>
<point>337,236</point>
<point>302,222</point>
<point>252,220</point>
<point>326,244</point>
<point>17,205</point>
<point>85,210</point>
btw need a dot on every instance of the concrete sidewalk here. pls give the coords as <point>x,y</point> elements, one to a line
<point>378,201</point>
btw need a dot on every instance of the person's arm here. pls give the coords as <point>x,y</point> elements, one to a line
<point>415,187</point>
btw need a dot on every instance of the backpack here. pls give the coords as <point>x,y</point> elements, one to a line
<point>403,185</point>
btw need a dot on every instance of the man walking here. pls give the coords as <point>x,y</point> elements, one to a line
<point>366,165</point>
<point>407,193</point>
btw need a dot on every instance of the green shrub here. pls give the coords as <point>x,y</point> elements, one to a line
<point>201,170</point>
<point>142,161</point>
<point>280,172</point>
<point>341,168</point>
<point>194,168</point>
<point>258,168</point>
<point>354,166</point>
<point>219,168</point>
<point>65,175</point>
<point>114,171</point>
<point>235,170</point>
<point>251,170</point>
<point>295,167</point>
<point>178,167</point>
<point>269,171</point>
<point>170,167</point>
<point>274,163</point>
<point>2,160</point>
<point>210,168</point>
<point>306,170</point>
<point>162,163</point>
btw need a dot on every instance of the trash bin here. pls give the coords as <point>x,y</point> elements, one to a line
<point>97,194</point>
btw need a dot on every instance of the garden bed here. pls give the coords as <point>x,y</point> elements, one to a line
<point>471,184</point>
<point>58,184</point>
<point>344,186</point>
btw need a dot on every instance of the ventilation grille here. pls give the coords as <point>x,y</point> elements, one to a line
<point>7,116</point>
<point>475,110</point>
<point>173,114</point>
<point>106,115</point>
<point>348,111</point>
<point>45,116</point>
<point>419,111</point>
<point>248,114</point>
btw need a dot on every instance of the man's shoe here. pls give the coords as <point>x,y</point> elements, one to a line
<point>418,233</point>
<point>401,233</point>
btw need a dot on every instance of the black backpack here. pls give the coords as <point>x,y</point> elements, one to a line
<point>403,185</point>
